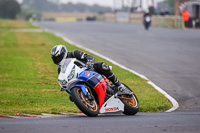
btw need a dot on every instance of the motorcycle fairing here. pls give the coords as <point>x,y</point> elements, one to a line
<point>68,74</point>
<point>72,83</point>
<point>112,105</point>
<point>83,88</point>
<point>148,18</point>
<point>92,78</point>
<point>96,81</point>
<point>100,89</point>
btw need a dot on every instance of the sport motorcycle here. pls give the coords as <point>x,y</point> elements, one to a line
<point>92,92</point>
<point>147,22</point>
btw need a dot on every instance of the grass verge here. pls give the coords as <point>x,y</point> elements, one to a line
<point>16,24</point>
<point>29,78</point>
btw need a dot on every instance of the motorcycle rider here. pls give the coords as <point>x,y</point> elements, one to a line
<point>59,53</point>
<point>147,19</point>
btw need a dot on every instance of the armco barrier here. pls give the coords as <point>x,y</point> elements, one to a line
<point>168,21</point>
<point>157,21</point>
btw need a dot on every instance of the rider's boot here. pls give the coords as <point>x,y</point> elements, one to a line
<point>116,82</point>
<point>121,87</point>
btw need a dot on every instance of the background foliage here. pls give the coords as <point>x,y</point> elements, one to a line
<point>9,9</point>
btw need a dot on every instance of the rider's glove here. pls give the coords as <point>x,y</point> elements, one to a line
<point>89,64</point>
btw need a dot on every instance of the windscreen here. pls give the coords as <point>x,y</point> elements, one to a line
<point>65,64</point>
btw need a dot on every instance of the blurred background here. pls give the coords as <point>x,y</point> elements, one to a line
<point>166,13</point>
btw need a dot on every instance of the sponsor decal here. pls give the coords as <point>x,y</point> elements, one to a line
<point>87,74</point>
<point>99,77</point>
<point>111,109</point>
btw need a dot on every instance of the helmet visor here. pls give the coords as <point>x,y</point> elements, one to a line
<point>57,59</point>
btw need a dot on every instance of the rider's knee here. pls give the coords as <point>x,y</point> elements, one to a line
<point>103,68</point>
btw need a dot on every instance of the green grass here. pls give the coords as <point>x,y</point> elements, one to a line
<point>16,24</point>
<point>29,78</point>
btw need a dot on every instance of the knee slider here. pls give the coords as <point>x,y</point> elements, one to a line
<point>105,67</point>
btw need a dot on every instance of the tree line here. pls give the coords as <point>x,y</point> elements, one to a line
<point>9,9</point>
<point>54,5</point>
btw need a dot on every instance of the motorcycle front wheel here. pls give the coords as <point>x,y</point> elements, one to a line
<point>88,107</point>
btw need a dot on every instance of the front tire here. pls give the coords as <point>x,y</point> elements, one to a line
<point>90,108</point>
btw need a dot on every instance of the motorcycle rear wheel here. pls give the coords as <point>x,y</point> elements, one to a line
<point>90,108</point>
<point>131,106</point>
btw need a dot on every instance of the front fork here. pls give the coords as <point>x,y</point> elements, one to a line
<point>85,91</point>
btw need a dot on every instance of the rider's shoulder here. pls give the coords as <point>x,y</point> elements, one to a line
<point>75,54</point>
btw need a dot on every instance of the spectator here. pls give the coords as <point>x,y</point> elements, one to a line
<point>185,14</point>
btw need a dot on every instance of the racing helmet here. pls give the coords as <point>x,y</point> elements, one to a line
<point>58,53</point>
<point>146,11</point>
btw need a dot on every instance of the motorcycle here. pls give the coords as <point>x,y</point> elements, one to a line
<point>92,93</point>
<point>147,22</point>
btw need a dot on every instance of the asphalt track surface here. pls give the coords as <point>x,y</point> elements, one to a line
<point>168,57</point>
<point>176,122</point>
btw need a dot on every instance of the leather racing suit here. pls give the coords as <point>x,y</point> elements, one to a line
<point>100,67</point>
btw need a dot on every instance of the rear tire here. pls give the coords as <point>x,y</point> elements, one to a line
<point>131,106</point>
<point>146,26</point>
<point>90,108</point>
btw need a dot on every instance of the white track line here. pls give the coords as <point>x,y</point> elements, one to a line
<point>172,100</point>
